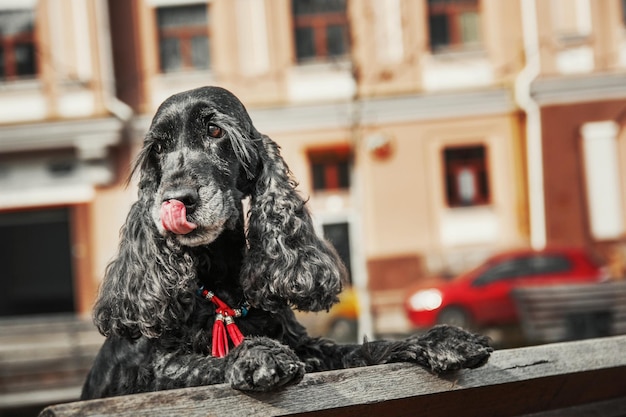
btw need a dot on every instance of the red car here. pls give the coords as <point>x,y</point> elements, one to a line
<point>482,296</point>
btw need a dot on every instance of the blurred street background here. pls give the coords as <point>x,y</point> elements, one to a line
<point>459,154</point>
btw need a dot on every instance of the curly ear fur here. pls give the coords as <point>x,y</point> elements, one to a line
<point>146,287</point>
<point>287,263</point>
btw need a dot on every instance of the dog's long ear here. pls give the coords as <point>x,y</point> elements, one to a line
<point>146,287</point>
<point>286,263</point>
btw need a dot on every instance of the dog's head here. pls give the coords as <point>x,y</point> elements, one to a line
<point>200,157</point>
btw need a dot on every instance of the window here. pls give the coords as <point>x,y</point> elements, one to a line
<point>338,234</point>
<point>549,264</point>
<point>330,168</point>
<point>524,267</point>
<point>183,37</point>
<point>503,271</point>
<point>320,29</point>
<point>466,177</point>
<point>17,44</point>
<point>454,24</point>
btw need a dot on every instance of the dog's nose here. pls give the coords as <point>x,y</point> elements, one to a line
<point>188,196</point>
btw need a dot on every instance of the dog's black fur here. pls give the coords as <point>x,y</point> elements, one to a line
<point>202,149</point>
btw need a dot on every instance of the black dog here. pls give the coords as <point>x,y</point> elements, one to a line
<point>195,298</point>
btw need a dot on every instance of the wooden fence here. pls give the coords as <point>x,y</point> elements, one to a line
<point>563,379</point>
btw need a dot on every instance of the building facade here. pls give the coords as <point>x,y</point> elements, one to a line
<point>60,123</point>
<point>426,133</point>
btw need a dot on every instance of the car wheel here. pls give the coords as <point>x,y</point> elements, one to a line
<point>455,316</point>
<point>343,331</point>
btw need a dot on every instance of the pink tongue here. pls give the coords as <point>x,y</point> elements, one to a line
<point>174,218</point>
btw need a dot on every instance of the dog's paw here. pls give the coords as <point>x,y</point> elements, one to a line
<point>447,348</point>
<point>263,364</point>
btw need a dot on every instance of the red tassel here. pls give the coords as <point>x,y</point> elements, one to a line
<point>220,340</point>
<point>233,331</point>
<point>224,326</point>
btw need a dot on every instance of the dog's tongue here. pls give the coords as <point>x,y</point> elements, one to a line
<point>174,218</point>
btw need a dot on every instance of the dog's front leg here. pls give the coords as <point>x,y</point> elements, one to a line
<point>258,364</point>
<point>441,349</point>
<point>448,348</point>
<point>181,369</point>
<point>126,366</point>
<point>262,364</point>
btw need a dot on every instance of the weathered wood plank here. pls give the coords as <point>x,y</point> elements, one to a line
<point>514,382</point>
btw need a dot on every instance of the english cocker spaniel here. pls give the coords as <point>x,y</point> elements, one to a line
<point>197,296</point>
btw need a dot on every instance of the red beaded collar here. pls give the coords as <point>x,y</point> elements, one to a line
<point>224,326</point>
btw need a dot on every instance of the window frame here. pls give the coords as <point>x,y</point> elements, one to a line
<point>481,179</point>
<point>331,231</point>
<point>453,11</point>
<point>330,158</point>
<point>184,34</point>
<point>319,22</point>
<point>9,44</point>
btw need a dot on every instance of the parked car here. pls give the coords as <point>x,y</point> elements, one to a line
<point>482,296</point>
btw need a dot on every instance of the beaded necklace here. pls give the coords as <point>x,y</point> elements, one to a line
<point>224,326</point>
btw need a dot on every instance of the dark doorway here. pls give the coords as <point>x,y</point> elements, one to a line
<point>36,273</point>
<point>339,235</point>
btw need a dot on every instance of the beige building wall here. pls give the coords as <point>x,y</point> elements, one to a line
<point>252,54</point>
<point>580,37</point>
<point>406,194</point>
<point>396,206</point>
<point>64,113</point>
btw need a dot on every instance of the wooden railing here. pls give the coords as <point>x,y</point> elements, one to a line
<point>562,379</point>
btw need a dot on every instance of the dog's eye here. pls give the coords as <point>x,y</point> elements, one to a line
<point>157,147</point>
<point>214,131</point>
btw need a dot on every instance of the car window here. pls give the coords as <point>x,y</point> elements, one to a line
<point>549,264</point>
<point>523,267</point>
<point>505,270</point>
